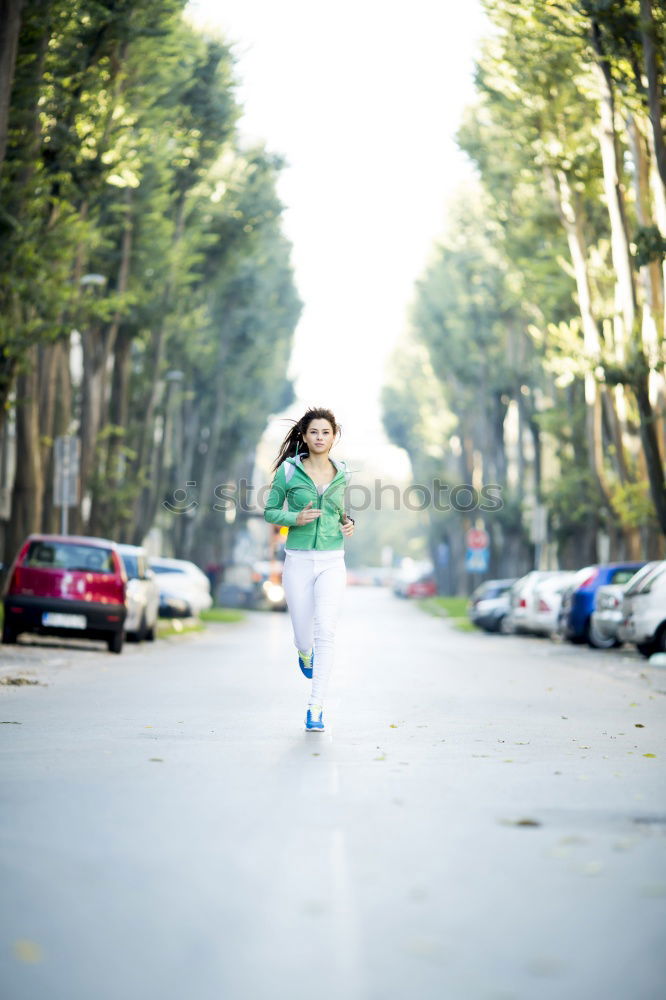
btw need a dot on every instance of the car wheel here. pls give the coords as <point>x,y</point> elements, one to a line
<point>660,641</point>
<point>597,640</point>
<point>646,648</point>
<point>115,642</point>
<point>149,634</point>
<point>9,634</point>
<point>142,629</point>
<point>504,625</point>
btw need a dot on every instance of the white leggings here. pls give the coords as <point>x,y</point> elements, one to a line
<point>314,582</point>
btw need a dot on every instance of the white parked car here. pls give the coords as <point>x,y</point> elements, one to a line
<point>143,595</point>
<point>523,614</point>
<point>182,586</point>
<point>644,611</point>
<point>544,607</point>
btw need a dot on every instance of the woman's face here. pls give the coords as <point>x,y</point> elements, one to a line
<point>319,437</point>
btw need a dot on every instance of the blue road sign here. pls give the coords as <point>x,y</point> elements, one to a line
<point>476,560</point>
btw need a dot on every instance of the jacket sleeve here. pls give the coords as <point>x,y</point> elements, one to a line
<point>273,512</point>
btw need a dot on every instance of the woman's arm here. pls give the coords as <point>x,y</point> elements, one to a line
<point>273,512</point>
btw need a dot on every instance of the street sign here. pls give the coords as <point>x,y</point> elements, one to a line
<point>476,560</point>
<point>66,452</point>
<point>477,538</point>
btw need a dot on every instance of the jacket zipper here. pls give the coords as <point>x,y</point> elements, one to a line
<point>319,496</point>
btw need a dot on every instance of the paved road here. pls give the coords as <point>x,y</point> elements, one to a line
<point>169,831</point>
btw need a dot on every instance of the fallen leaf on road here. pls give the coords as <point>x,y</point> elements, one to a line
<point>639,725</point>
<point>393,726</point>
<point>649,755</point>
<point>10,722</point>
<point>316,755</point>
<point>16,681</point>
<point>383,757</point>
<point>520,822</point>
<point>159,760</point>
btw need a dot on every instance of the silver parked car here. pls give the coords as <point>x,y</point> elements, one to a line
<point>143,594</point>
<point>184,588</point>
<point>489,604</point>
<point>644,611</point>
<point>607,616</point>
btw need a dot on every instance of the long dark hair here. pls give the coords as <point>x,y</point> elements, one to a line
<point>293,442</point>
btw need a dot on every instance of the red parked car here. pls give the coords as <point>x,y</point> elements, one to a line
<point>425,587</point>
<point>67,585</point>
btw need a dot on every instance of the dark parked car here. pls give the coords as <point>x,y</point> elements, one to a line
<point>579,600</point>
<point>489,604</point>
<point>67,585</point>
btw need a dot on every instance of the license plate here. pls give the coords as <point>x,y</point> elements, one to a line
<point>57,620</point>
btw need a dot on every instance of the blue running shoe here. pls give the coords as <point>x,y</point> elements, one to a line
<point>306,663</point>
<point>314,721</point>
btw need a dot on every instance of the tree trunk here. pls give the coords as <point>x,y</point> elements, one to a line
<point>655,87</point>
<point>651,274</point>
<point>10,26</point>
<point>27,492</point>
<point>610,157</point>
<point>591,340</point>
<point>24,154</point>
<point>651,449</point>
<point>61,424</point>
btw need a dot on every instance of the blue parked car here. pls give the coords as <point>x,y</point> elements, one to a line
<point>578,600</point>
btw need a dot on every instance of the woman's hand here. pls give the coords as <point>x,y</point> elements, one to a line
<point>347,527</point>
<point>308,514</point>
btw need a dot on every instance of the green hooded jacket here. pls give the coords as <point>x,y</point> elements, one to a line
<point>293,484</point>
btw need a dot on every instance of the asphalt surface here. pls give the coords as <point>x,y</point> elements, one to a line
<point>484,817</point>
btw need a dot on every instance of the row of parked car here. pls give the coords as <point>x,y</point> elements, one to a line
<point>75,586</point>
<point>604,605</point>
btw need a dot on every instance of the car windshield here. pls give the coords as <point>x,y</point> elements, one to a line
<point>166,569</point>
<point>131,566</point>
<point>640,580</point>
<point>622,576</point>
<point>69,556</point>
<point>652,578</point>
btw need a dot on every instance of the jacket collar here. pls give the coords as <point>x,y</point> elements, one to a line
<point>296,460</point>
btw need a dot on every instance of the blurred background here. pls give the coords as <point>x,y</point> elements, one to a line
<point>443,221</point>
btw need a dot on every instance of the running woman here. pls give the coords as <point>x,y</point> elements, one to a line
<point>314,573</point>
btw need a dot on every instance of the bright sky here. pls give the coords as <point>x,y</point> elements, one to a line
<point>363,98</point>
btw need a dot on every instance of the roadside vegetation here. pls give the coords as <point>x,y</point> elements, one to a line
<point>536,354</point>
<point>147,301</point>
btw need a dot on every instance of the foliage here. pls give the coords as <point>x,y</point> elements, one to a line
<point>129,201</point>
